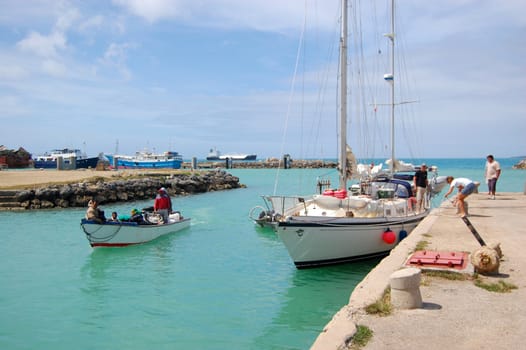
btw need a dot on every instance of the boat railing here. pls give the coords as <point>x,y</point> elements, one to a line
<point>285,205</point>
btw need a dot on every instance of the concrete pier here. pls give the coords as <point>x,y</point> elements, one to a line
<point>455,314</point>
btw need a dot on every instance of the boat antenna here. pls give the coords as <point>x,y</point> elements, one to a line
<point>343,99</point>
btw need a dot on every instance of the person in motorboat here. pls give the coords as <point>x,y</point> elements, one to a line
<point>465,188</point>
<point>94,213</point>
<point>163,204</point>
<point>136,216</point>
<point>114,217</point>
<point>420,183</point>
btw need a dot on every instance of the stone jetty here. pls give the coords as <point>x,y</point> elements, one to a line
<point>125,187</point>
<point>461,309</point>
<point>520,165</point>
<point>269,163</point>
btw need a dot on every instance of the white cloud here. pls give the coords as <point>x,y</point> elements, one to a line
<point>152,10</point>
<point>12,72</point>
<point>67,17</point>
<point>263,15</point>
<point>54,68</point>
<point>92,23</point>
<point>11,106</point>
<point>41,45</point>
<point>116,56</point>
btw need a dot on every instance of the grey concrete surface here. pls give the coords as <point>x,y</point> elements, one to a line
<point>455,314</point>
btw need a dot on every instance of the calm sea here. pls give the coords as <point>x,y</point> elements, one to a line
<point>221,284</point>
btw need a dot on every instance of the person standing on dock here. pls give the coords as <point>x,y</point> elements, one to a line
<point>420,183</point>
<point>492,173</point>
<point>163,204</point>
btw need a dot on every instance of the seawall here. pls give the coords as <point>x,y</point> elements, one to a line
<point>64,189</point>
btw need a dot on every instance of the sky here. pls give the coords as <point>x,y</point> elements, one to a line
<point>247,76</point>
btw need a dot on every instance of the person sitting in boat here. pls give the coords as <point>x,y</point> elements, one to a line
<point>114,217</point>
<point>163,204</point>
<point>94,213</point>
<point>136,216</point>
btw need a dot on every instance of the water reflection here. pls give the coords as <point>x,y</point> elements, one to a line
<point>314,297</point>
<point>267,233</point>
<point>104,266</point>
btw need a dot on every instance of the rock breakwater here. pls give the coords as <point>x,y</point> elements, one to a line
<point>520,165</point>
<point>112,190</point>
<point>268,163</point>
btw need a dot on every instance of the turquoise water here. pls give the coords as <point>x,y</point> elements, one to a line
<point>221,284</point>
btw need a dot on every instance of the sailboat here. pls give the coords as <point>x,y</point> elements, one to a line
<point>338,226</point>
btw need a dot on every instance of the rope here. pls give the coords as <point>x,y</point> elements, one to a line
<point>103,239</point>
<point>300,44</point>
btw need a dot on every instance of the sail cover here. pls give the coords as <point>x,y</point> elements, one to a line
<point>351,162</point>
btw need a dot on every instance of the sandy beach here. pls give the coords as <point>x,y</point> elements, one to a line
<point>16,179</point>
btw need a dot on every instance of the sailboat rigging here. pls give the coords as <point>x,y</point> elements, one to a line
<point>337,226</point>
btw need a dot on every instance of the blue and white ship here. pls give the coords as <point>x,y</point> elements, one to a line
<point>146,159</point>
<point>48,160</point>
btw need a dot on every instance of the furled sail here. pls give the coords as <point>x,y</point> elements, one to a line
<point>351,162</point>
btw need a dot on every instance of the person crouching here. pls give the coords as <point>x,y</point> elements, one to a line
<point>465,188</point>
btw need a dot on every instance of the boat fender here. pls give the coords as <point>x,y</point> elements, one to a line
<point>389,236</point>
<point>402,235</point>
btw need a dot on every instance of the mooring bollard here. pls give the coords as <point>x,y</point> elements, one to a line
<point>405,288</point>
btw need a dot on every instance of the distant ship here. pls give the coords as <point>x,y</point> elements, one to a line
<point>146,159</point>
<point>48,160</point>
<point>214,154</point>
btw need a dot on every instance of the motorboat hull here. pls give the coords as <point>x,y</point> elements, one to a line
<point>121,234</point>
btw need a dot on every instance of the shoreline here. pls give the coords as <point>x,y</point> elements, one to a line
<point>30,178</point>
<point>48,189</point>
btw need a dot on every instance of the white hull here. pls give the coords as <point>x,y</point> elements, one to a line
<point>216,155</point>
<point>126,233</point>
<point>316,241</point>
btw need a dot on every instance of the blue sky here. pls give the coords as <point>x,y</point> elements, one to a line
<point>189,75</point>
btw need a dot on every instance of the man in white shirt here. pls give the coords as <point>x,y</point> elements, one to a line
<point>492,173</point>
<point>465,188</point>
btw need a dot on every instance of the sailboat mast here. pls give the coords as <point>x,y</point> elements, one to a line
<point>392,37</point>
<point>343,98</point>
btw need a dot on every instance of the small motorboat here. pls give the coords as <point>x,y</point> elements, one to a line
<point>124,233</point>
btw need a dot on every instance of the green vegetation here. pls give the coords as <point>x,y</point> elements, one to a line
<point>381,307</point>
<point>422,245</point>
<point>496,287</point>
<point>361,337</point>
<point>448,275</point>
<point>499,287</point>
